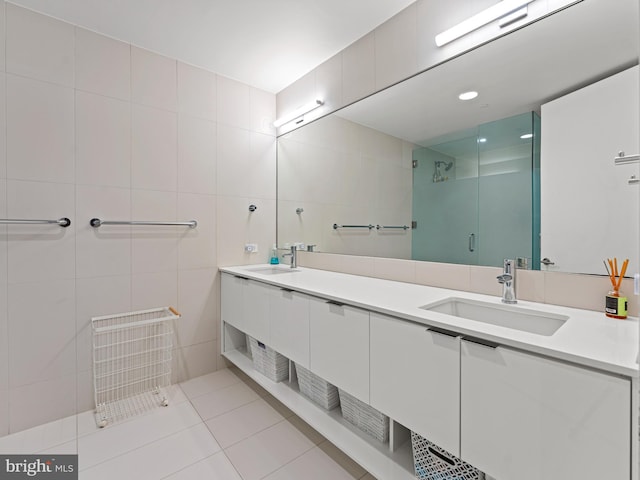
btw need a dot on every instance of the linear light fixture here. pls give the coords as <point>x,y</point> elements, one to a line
<point>499,10</point>
<point>299,112</point>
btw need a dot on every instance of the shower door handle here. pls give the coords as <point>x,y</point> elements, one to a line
<point>472,242</point>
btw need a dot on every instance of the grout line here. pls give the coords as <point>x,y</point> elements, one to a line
<point>156,439</point>
<point>255,433</point>
<point>204,420</point>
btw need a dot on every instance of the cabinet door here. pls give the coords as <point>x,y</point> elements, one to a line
<point>289,325</point>
<point>606,111</point>
<point>526,417</point>
<point>231,299</point>
<point>339,343</point>
<point>415,379</point>
<point>256,300</point>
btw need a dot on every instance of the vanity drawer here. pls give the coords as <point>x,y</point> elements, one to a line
<point>339,346</point>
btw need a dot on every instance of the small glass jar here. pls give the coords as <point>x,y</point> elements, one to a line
<point>615,305</point>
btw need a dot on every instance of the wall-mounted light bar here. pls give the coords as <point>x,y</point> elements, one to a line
<point>499,10</point>
<point>298,113</point>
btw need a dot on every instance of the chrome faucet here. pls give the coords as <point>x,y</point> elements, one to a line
<point>508,281</point>
<point>293,255</point>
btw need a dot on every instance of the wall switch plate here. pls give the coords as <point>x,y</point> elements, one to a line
<point>251,248</point>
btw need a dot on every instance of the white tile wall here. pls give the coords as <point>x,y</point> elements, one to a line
<point>3,14</point>
<point>234,103</point>
<point>358,69</point>
<point>263,112</point>
<point>40,131</point>
<point>38,403</point>
<point>95,297</point>
<point>154,249</point>
<point>4,411</point>
<point>397,47</point>
<point>39,47</point>
<point>257,227</point>
<point>4,357</point>
<point>98,128</point>
<point>103,65</point>
<point>3,123</point>
<point>196,92</point>
<point>354,175</point>
<point>149,290</point>
<point>40,252</point>
<point>4,340</point>
<point>198,303</point>
<point>195,360</point>
<point>197,246</point>
<point>154,162</point>
<point>103,141</point>
<point>196,155</point>
<point>329,81</point>
<point>153,80</point>
<point>244,163</point>
<point>104,251</point>
<point>42,345</point>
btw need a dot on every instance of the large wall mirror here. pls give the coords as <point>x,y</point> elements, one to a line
<point>413,172</point>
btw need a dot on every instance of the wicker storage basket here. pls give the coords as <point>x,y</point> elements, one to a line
<point>317,389</point>
<point>365,417</point>
<point>269,362</point>
<point>433,463</point>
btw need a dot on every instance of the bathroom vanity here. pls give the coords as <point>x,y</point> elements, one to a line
<point>524,391</point>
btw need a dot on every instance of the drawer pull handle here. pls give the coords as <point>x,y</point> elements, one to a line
<point>441,456</point>
<point>442,331</point>
<point>484,343</point>
<point>286,290</point>
<point>333,302</point>
<point>241,278</point>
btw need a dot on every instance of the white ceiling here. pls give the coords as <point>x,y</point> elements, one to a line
<point>514,74</point>
<point>266,44</point>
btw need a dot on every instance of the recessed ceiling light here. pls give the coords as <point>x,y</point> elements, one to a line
<point>526,135</point>
<point>468,95</point>
<point>482,140</point>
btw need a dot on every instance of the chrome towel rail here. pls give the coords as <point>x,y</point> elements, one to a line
<point>336,226</point>
<point>63,222</point>
<point>392,227</point>
<point>96,222</point>
<point>623,159</point>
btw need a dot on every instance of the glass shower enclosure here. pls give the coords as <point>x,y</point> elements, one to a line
<point>476,195</point>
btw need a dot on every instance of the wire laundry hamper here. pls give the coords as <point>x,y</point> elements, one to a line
<point>131,362</point>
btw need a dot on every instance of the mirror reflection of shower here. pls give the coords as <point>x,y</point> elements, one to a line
<point>437,174</point>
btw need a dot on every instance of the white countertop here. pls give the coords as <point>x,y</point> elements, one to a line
<point>587,338</point>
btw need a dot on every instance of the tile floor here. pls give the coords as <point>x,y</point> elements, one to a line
<point>221,426</point>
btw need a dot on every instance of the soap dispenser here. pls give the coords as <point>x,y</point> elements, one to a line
<point>274,256</point>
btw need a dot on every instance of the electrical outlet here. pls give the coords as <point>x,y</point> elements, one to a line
<point>251,248</point>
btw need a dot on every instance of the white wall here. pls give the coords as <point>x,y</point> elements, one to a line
<point>399,48</point>
<point>581,134</point>
<point>90,126</point>
<point>342,172</point>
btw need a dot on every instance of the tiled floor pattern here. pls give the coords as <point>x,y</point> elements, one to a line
<point>221,426</point>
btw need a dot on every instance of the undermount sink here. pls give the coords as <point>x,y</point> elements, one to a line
<point>532,321</point>
<point>272,270</point>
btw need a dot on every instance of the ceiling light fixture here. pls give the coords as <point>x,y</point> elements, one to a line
<point>298,113</point>
<point>499,10</point>
<point>482,140</point>
<point>468,95</point>
<point>526,135</point>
